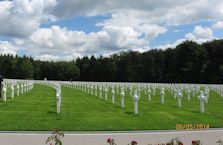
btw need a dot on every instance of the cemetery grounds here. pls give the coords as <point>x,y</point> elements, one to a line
<point>82,111</point>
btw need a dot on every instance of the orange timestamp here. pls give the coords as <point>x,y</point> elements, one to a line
<point>190,126</point>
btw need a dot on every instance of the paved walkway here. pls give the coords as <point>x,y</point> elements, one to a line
<point>209,137</point>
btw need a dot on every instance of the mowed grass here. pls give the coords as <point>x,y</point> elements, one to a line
<point>36,110</point>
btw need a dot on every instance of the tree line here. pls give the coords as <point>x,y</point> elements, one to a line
<point>188,62</point>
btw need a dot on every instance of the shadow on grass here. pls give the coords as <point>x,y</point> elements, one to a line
<point>193,111</point>
<point>119,107</point>
<point>174,106</point>
<point>129,113</point>
<point>58,118</point>
<point>51,112</point>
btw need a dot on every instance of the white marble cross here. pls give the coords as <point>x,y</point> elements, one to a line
<point>136,99</point>
<point>149,94</point>
<point>113,94</point>
<point>12,91</point>
<point>188,94</point>
<point>122,97</point>
<point>17,91</point>
<point>100,89</point>
<point>58,98</point>
<point>162,95</point>
<point>206,94</point>
<point>96,90</point>
<point>106,93</point>
<point>139,92</point>
<point>22,88</point>
<point>179,98</point>
<point>202,100</point>
<point>130,91</point>
<point>4,90</point>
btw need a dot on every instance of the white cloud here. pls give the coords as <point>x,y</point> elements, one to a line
<point>27,15</point>
<point>131,26</point>
<point>200,34</point>
<point>151,31</point>
<point>218,25</point>
<point>20,18</point>
<point>168,11</point>
<point>7,48</point>
<point>63,42</point>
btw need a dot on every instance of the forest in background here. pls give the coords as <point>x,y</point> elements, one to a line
<point>188,62</point>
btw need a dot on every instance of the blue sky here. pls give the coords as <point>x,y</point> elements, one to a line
<point>176,32</point>
<point>78,23</point>
<point>64,30</point>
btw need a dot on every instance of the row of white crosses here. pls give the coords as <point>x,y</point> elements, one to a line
<point>21,88</point>
<point>218,89</point>
<point>196,91</point>
<point>92,89</point>
<point>135,90</point>
<point>57,86</point>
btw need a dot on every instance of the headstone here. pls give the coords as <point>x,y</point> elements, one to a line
<point>88,89</point>
<point>154,91</point>
<point>21,88</point>
<point>117,89</point>
<point>179,98</point>
<point>92,90</point>
<point>4,90</point>
<point>175,93</point>
<point>27,87</point>
<point>193,91</point>
<point>206,94</point>
<point>24,88</point>
<point>17,91</point>
<point>188,94</point>
<point>12,91</point>
<point>130,91</point>
<point>100,89</point>
<point>85,88</point>
<point>149,94</point>
<point>136,99</point>
<point>144,90</point>
<point>139,92</point>
<point>113,94</point>
<point>58,98</point>
<point>122,97</point>
<point>162,95</point>
<point>106,93</point>
<point>202,100</point>
<point>96,90</point>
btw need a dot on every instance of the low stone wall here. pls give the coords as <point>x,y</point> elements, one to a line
<point>208,137</point>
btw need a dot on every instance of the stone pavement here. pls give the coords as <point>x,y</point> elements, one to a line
<point>208,137</point>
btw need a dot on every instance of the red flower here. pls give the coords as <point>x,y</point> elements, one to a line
<point>194,142</point>
<point>109,140</point>
<point>51,144</point>
<point>180,143</point>
<point>134,142</point>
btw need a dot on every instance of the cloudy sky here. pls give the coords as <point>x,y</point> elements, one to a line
<point>66,29</point>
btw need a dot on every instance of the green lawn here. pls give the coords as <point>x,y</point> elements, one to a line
<point>36,110</point>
